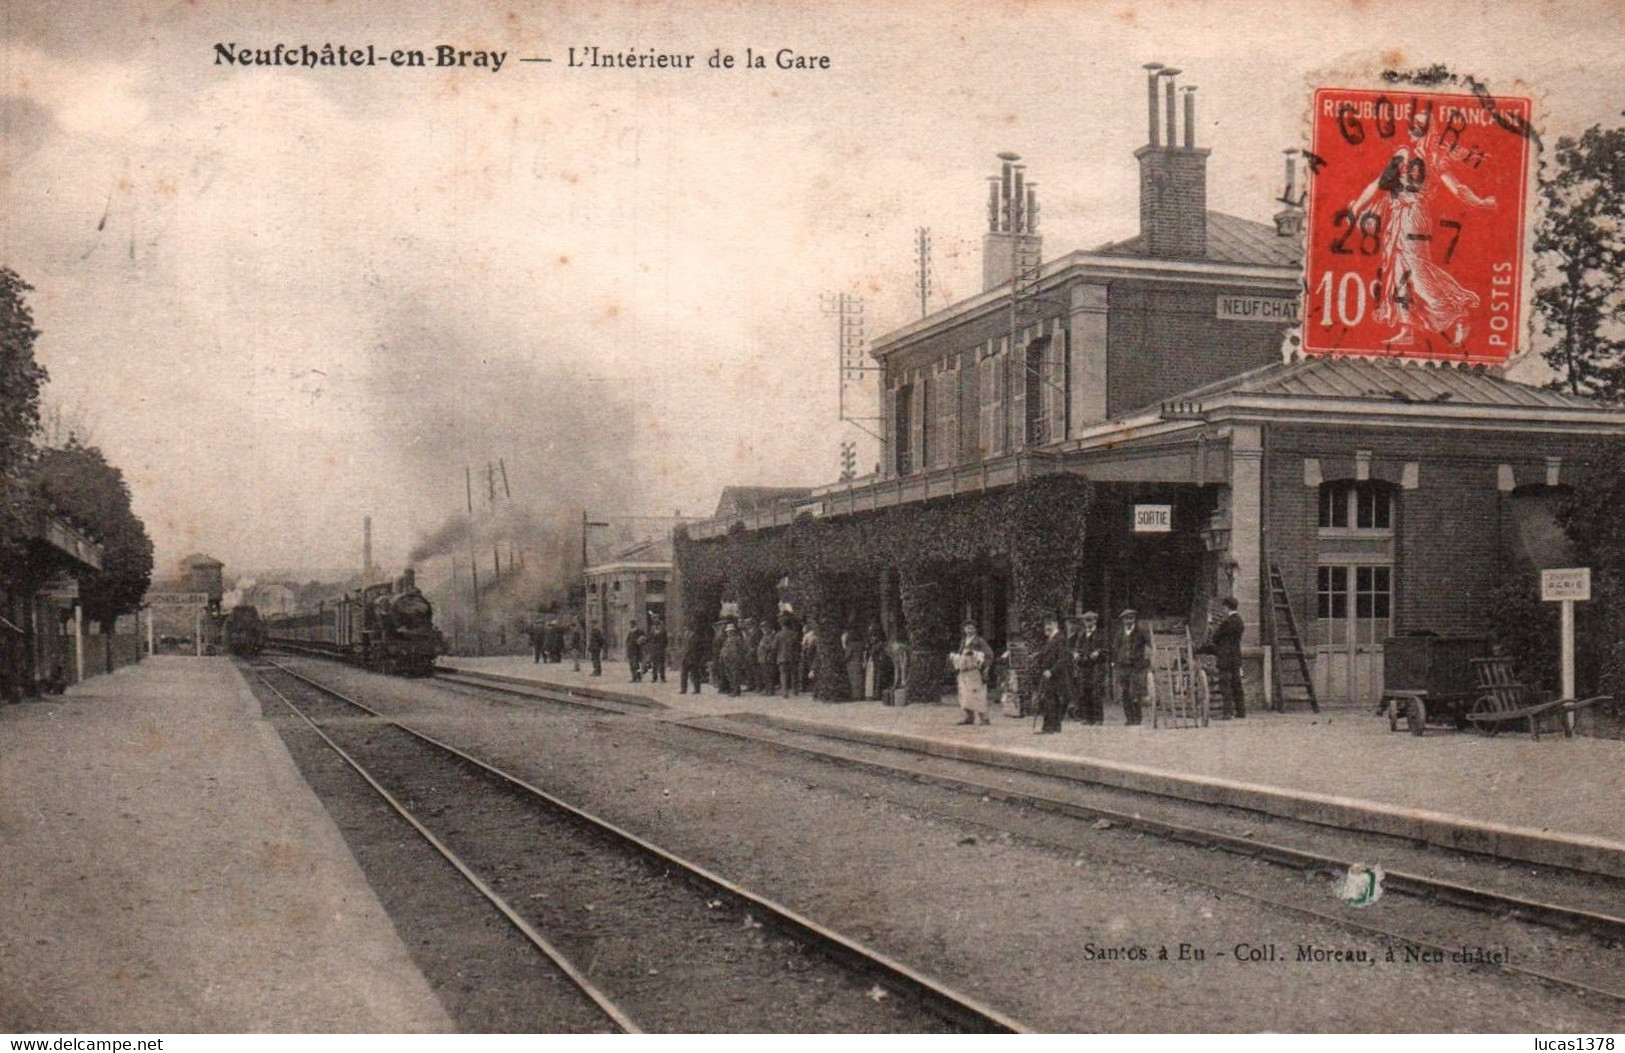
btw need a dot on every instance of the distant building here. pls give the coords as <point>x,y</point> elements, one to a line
<point>630,588</point>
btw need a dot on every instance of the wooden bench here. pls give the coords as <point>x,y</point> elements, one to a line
<point>1505,699</point>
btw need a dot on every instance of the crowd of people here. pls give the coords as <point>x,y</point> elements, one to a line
<point>1078,668</point>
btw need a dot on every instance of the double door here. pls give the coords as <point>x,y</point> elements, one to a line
<point>1354,614</point>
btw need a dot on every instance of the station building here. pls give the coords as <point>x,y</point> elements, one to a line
<point>42,630</point>
<point>1126,426</point>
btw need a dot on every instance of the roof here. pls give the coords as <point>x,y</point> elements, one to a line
<point>1402,380</point>
<point>744,500</point>
<point>1231,239</point>
<point>197,559</point>
<point>655,550</point>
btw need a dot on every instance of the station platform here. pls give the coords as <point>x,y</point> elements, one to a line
<point>167,870</point>
<point>1555,801</point>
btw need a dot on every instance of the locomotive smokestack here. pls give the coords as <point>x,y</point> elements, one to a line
<point>1151,69</point>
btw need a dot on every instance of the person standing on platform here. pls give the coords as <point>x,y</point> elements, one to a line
<point>732,659</point>
<point>809,655</point>
<point>1131,664</point>
<point>750,636</point>
<point>634,652</point>
<point>538,641</point>
<point>767,650</point>
<point>692,657</point>
<point>1225,646</point>
<point>852,658</point>
<point>1053,661</point>
<point>787,653</point>
<point>1089,656</point>
<point>573,642</point>
<point>973,666</point>
<point>655,651</point>
<point>595,648</point>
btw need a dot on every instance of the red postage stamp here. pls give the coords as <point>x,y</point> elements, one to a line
<point>1416,225</point>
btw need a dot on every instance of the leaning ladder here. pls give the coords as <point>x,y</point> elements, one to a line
<point>1293,683</point>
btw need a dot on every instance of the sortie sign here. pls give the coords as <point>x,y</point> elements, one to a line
<point>1153,519</point>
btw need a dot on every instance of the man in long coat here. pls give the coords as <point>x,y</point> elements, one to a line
<point>1089,656</point>
<point>595,648</point>
<point>1053,662</point>
<point>634,652</point>
<point>1225,646</point>
<point>1131,664</point>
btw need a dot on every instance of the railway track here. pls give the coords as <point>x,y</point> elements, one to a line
<point>1608,928</point>
<point>855,985</point>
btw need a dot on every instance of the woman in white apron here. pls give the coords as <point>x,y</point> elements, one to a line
<point>971,663</point>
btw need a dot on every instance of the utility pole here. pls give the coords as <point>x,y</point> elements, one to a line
<point>847,308</point>
<point>922,263</point>
<point>473,565</point>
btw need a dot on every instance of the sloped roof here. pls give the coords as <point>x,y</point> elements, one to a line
<point>744,500</point>
<point>1231,239</point>
<point>655,550</point>
<point>1401,380</point>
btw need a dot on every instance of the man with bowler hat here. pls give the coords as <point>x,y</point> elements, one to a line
<point>1089,657</point>
<point>1225,646</point>
<point>1053,661</point>
<point>1131,662</point>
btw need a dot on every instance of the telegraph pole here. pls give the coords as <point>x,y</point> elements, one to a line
<point>847,308</point>
<point>922,263</point>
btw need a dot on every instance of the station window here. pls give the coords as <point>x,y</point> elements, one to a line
<point>1356,506</point>
<point>1369,589</point>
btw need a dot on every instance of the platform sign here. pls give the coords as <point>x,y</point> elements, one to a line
<point>1416,225</point>
<point>1153,519</point>
<point>1567,584</point>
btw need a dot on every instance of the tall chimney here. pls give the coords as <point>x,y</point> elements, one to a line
<point>1151,69</point>
<point>1172,114</point>
<point>1012,222</point>
<point>366,549</point>
<point>1173,176</point>
<point>1290,220</point>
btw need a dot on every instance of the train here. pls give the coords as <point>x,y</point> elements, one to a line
<point>387,627</point>
<point>242,631</point>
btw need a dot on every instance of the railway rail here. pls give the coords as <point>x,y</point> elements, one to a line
<point>931,1004</point>
<point>1605,927</point>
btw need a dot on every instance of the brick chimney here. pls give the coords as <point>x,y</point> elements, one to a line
<point>1289,221</point>
<point>1012,240</point>
<point>1173,176</point>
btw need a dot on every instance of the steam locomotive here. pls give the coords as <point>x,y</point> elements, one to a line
<point>242,631</point>
<point>387,627</point>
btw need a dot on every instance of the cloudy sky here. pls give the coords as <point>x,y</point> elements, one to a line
<point>285,298</point>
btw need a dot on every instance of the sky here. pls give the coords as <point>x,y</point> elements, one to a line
<point>285,298</point>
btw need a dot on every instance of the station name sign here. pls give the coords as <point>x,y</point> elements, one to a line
<point>1570,583</point>
<point>1256,308</point>
<point>1153,519</point>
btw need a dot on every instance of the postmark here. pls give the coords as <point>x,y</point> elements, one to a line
<point>1416,224</point>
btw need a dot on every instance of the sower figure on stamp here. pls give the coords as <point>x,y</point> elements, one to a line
<point>1131,663</point>
<point>1225,646</point>
<point>1054,664</point>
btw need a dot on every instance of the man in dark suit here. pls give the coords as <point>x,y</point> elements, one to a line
<point>1054,664</point>
<point>1089,657</point>
<point>634,652</point>
<point>1225,646</point>
<point>1131,663</point>
<point>595,648</point>
<point>654,653</point>
<point>693,655</point>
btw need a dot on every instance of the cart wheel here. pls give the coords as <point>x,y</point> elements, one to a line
<point>1486,705</point>
<point>1416,716</point>
<point>1393,714</point>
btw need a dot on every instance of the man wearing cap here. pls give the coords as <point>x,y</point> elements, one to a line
<point>1054,664</point>
<point>1225,646</point>
<point>971,664</point>
<point>1089,647</point>
<point>1131,662</point>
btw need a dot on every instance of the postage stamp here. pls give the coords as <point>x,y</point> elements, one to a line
<point>1416,224</point>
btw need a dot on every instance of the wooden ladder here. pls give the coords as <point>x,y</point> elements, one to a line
<point>1293,682</point>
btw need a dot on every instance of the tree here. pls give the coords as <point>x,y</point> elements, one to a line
<point>20,381</point>
<point>78,482</point>
<point>1581,245</point>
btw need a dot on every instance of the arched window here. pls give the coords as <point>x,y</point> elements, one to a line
<point>1350,505</point>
